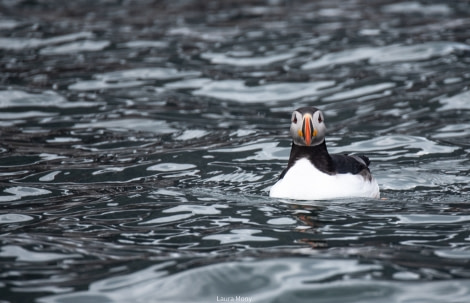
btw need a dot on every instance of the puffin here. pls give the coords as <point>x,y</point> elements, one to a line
<point>314,174</point>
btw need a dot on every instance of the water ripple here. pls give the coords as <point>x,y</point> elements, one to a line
<point>270,281</point>
<point>388,54</point>
<point>392,147</point>
<point>14,218</point>
<point>236,90</point>
<point>22,43</point>
<point>130,78</point>
<point>21,254</point>
<point>239,235</point>
<point>75,47</point>
<point>249,60</point>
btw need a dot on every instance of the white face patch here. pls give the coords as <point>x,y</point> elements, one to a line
<point>298,133</point>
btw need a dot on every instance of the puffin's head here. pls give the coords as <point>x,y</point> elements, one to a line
<point>307,126</point>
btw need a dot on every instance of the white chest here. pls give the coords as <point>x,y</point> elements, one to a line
<point>305,182</point>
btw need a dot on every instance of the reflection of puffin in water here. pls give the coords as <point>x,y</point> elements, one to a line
<point>312,173</point>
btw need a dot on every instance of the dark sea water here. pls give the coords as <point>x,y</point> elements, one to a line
<point>139,140</point>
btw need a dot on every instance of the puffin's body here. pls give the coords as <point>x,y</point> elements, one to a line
<point>312,173</point>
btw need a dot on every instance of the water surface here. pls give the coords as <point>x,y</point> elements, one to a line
<point>139,141</point>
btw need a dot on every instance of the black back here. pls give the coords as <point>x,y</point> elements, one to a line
<point>330,164</point>
<point>350,164</point>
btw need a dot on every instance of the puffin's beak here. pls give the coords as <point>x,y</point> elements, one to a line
<point>307,129</point>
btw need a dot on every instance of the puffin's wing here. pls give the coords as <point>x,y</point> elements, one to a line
<point>351,164</point>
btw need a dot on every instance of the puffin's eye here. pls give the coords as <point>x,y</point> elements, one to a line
<point>294,120</point>
<point>320,120</point>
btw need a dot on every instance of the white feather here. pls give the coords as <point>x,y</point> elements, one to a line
<point>303,181</point>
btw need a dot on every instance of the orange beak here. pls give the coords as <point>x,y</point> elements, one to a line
<point>307,129</point>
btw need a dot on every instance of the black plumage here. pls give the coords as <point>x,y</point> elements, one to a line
<point>330,164</point>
